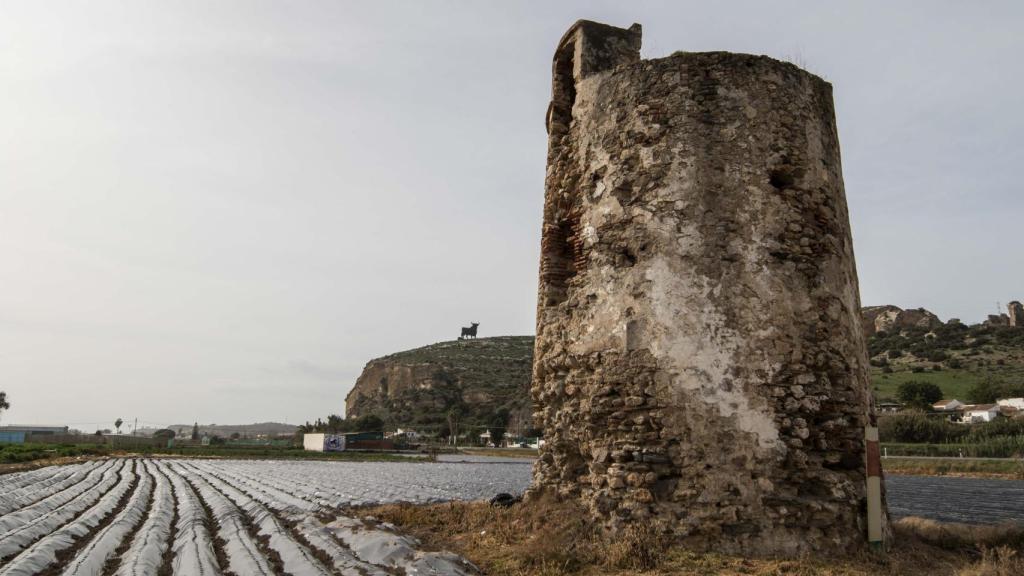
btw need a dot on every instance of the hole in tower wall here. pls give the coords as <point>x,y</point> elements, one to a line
<point>781,178</point>
<point>563,258</point>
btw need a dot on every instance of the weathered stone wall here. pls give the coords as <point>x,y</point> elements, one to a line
<point>699,362</point>
<point>997,320</point>
<point>1015,312</point>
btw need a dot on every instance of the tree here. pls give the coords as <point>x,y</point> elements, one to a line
<point>368,423</point>
<point>497,428</point>
<point>117,424</point>
<point>195,431</point>
<point>453,424</point>
<point>235,435</point>
<point>4,404</point>
<point>164,433</point>
<point>919,394</point>
<point>335,423</point>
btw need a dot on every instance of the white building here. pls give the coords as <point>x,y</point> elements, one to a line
<point>947,405</point>
<point>1017,403</point>
<point>980,413</point>
<point>320,442</point>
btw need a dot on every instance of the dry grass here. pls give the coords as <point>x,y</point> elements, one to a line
<point>547,538</point>
<point>1008,469</point>
<point>502,452</point>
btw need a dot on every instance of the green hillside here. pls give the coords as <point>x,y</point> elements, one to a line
<point>969,363</point>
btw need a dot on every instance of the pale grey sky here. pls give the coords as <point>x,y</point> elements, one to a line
<point>219,211</point>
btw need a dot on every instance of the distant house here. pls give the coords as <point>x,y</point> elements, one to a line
<point>1017,403</point>
<point>889,407</point>
<point>947,405</point>
<point>404,433</point>
<point>980,413</point>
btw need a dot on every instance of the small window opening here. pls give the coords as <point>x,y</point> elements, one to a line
<point>563,93</point>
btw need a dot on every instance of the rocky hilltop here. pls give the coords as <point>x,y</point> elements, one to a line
<point>887,318</point>
<point>481,379</point>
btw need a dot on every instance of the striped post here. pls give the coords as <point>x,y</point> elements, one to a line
<point>874,473</point>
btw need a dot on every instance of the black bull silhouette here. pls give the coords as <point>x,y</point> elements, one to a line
<point>469,332</point>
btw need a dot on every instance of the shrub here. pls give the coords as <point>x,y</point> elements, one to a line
<point>919,394</point>
<point>918,428</point>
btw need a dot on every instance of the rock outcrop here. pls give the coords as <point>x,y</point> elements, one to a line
<point>891,318</point>
<point>479,378</point>
<point>700,366</point>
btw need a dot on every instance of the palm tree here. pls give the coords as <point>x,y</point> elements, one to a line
<point>117,424</point>
<point>4,404</point>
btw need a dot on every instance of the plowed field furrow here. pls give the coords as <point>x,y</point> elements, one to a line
<point>50,514</point>
<point>305,528</point>
<point>145,554</point>
<point>92,558</point>
<point>295,558</point>
<point>95,506</point>
<point>28,496</point>
<point>243,554</point>
<point>269,495</point>
<point>193,545</point>
<point>15,491</point>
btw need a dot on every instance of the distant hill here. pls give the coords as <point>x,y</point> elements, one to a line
<point>915,345</point>
<point>486,377</point>
<point>226,430</point>
<point>481,379</point>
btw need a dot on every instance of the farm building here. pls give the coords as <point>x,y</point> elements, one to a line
<point>21,434</point>
<point>889,407</point>
<point>1017,403</point>
<point>326,442</point>
<point>980,413</point>
<point>320,442</point>
<point>947,405</point>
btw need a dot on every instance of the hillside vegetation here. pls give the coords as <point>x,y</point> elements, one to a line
<point>970,363</point>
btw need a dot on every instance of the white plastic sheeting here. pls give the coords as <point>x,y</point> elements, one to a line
<point>145,554</point>
<point>67,518</point>
<point>92,558</point>
<point>244,556</point>
<point>297,560</point>
<point>48,515</point>
<point>193,546</point>
<point>44,551</point>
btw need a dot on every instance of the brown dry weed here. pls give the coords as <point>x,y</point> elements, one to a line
<point>548,538</point>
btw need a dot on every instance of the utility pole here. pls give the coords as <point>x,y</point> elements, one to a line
<point>135,426</point>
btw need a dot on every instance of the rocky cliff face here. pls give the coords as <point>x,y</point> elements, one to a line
<point>479,378</point>
<point>888,318</point>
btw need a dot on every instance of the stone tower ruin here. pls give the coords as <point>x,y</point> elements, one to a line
<point>699,361</point>
<point>1015,313</point>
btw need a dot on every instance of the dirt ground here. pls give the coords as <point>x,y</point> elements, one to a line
<point>553,539</point>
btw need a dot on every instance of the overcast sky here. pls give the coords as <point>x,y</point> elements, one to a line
<point>219,211</point>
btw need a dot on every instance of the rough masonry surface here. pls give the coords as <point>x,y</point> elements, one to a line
<point>699,361</point>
